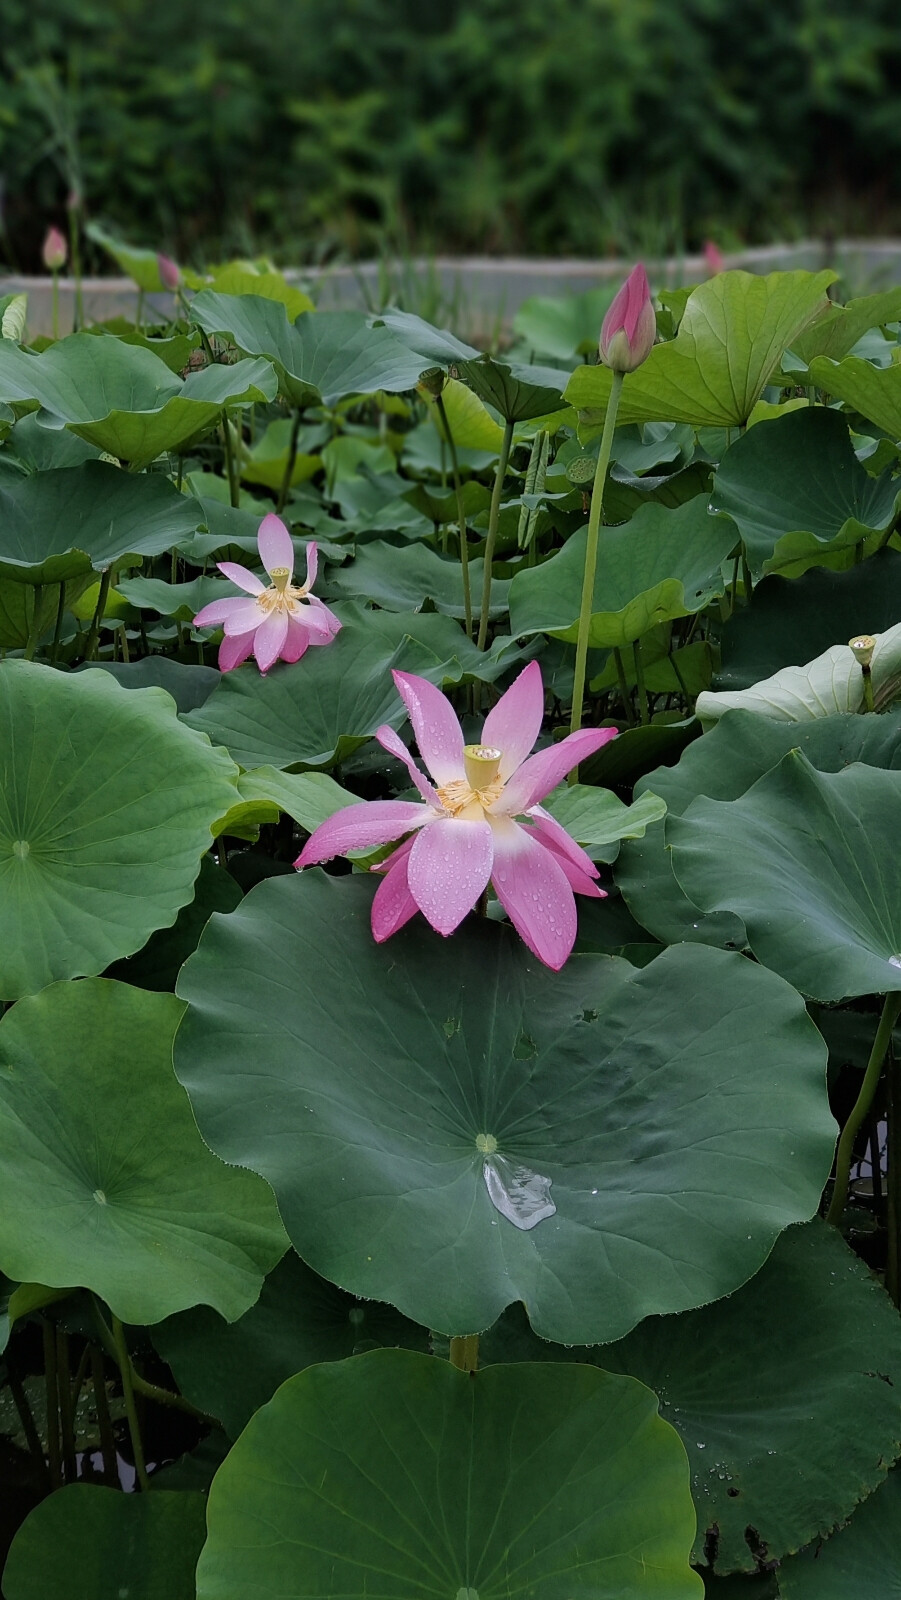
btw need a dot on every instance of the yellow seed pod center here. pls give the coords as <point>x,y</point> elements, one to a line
<point>480,763</point>
<point>863,645</point>
<point>280,576</point>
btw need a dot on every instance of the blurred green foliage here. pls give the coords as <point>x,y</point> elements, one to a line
<point>320,126</point>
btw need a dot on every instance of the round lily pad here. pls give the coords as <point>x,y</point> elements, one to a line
<point>809,861</point>
<point>743,1383</point>
<point>89,1543</point>
<point>231,1369</point>
<point>862,1560</point>
<point>105,1182</point>
<point>106,807</point>
<point>394,1474</point>
<point>449,1127</point>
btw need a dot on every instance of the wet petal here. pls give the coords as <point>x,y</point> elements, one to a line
<point>274,541</point>
<point>269,639</point>
<point>362,827</point>
<point>297,641</point>
<point>235,650</point>
<point>544,770</point>
<point>314,619</point>
<point>438,733</point>
<point>242,576</point>
<point>393,904</point>
<point>579,881</point>
<point>213,615</point>
<point>312,564</point>
<point>554,834</point>
<point>334,623</point>
<point>395,746</point>
<point>534,890</point>
<point>515,723</point>
<point>244,617</point>
<point>449,866</point>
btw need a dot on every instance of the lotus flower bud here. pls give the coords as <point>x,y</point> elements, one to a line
<point>862,645</point>
<point>170,274</point>
<point>630,327</point>
<point>713,256</point>
<point>432,380</point>
<point>55,250</point>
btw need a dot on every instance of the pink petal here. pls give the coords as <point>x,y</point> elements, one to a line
<point>219,611</point>
<point>393,904</point>
<point>577,879</point>
<point>544,770</point>
<point>312,564</point>
<point>235,650</point>
<point>269,639</point>
<point>297,642</point>
<point>334,623</point>
<point>361,827</point>
<point>515,723</point>
<point>395,746</point>
<point>449,866</point>
<point>438,733</point>
<point>312,620</point>
<point>534,890</point>
<point>242,576</point>
<point>638,295</point>
<point>554,834</point>
<point>274,542</point>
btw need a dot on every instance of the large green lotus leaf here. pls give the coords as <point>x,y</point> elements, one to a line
<point>231,1369</point>
<point>187,682</point>
<point>143,266</point>
<point>67,522</point>
<point>576,1140</point>
<point>517,390</point>
<point>809,861</point>
<point>179,600</point>
<point>598,819</point>
<point>176,350</point>
<point>798,493</point>
<point>873,391</point>
<point>564,326</point>
<point>139,438</point>
<point>743,1382</point>
<point>859,1562</point>
<point>308,797</point>
<point>105,1181</point>
<point>831,683</point>
<point>106,807</point>
<point>723,765</point>
<point>472,426</point>
<point>321,357</point>
<point>730,342</point>
<point>156,965</point>
<point>638,750</point>
<point>243,277</point>
<point>837,331</point>
<point>401,578</point>
<point>89,1543</point>
<point>446,639</point>
<point>318,712</point>
<point>663,564</point>
<point>790,620</point>
<point>395,1474</point>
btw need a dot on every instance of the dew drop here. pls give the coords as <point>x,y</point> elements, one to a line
<point>893,961</point>
<point>518,1193</point>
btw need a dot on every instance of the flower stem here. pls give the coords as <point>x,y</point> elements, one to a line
<point>491,540</point>
<point>893,1183</point>
<point>868,688</point>
<point>34,632</point>
<point>123,1360</point>
<point>890,1011</point>
<point>102,596</point>
<point>464,1352</point>
<point>58,628</point>
<point>289,465</point>
<point>461,513</point>
<point>230,460</point>
<point>591,550</point>
<point>56,305</point>
<point>639,679</point>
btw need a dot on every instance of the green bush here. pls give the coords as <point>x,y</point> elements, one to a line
<point>348,125</point>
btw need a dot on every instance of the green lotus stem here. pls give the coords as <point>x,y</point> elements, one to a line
<point>289,466</point>
<point>99,609</point>
<point>623,689</point>
<point>230,461</point>
<point>639,679</point>
<point>461,512</point>
<point>493,515</point>
<point>55,323</point>
<point>591,551</point>
<point>868,689</point>
<point>52,1394</point>
<point>150,1391</point>
<point>464,1352</point>
<point>75,253</point>
<point>893,1207</point>
<point>890,1011</point>
<point>678,671</point>
<point>139,317</point>
<point>34,632</point>
<point>123,1360</point>
<point>104,1422</point>
<point>58,626</point>
<point>66,1415</point>
<point>32,1437</point>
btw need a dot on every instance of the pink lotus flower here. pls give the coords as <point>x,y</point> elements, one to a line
<point>713,256</point>
<point>281,621</point>
<point>630,327</point>
<point>466,835</point>
<point>169,271</point>
<point>55,250</point>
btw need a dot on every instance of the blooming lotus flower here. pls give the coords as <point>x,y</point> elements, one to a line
<point>713,256</point>
<point>281,621</point>
<point>630,327</point>
<point>466,834</point>
<point>170,273</point>
<point>55,250</point>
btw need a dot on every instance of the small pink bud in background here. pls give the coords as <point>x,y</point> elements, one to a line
<point>55,251</point>
<point>630,327</point>
<point>170,274</point>
<point>713,255</point>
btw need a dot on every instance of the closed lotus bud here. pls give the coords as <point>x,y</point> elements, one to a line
<point>55,250</point>
<point>630,327</point>
<point>432,380</point>
<point>170,274</point>
<point>713,255</point>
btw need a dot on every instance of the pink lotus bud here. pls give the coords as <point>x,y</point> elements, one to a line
<point>55,250</point>
<point>630,327</point>
<point>170,274</point>
<point>713,255</point>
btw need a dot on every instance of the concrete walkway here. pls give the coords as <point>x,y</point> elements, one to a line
<point>474,294</point>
